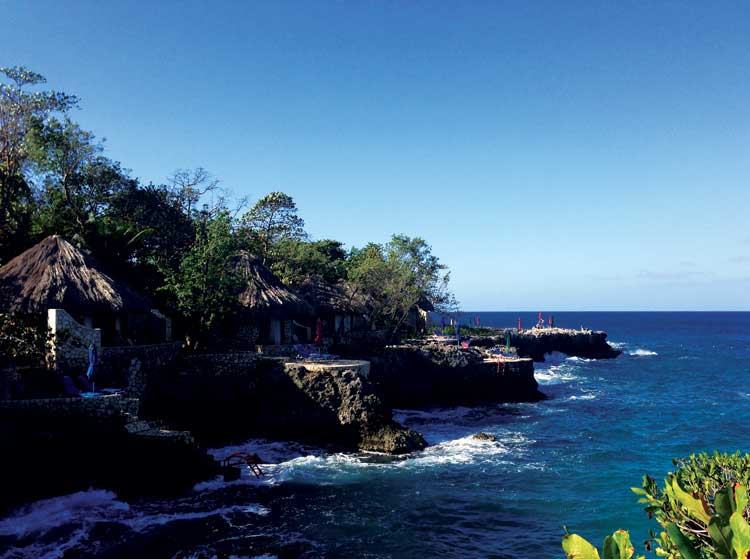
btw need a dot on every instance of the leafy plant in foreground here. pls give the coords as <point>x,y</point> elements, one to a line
<point>702,507</point>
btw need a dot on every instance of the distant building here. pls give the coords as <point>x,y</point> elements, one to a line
<point>419,317</point>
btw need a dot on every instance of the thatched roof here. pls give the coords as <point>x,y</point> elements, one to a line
<point>336,298</point>
<point>55,274</point>
<point>265,294</point>
<point>425,304</point>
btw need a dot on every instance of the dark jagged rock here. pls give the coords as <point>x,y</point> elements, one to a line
<point>224,398</point>
<point>535,344</point>
<point>489,437</point>
<point>62,445</point>
<point>419,376</point>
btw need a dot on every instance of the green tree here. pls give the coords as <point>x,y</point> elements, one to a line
<point>206,284</point>
<point>298,261</point>
<point>396,276</point>
<point>20,111</point>
<point>77,181</point>
<point>270,220</point>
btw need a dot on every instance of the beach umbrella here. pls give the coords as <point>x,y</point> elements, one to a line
<point>93,357</point>
<point>319,332</point>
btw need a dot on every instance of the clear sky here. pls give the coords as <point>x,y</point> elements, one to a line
<point>557,155</point>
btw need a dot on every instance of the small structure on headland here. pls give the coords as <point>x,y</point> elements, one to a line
<point>272,313</point>
<point>418,318</point>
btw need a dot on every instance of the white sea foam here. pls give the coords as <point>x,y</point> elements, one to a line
<point>642,353</point>
<point>58,511</point>
<point>556,374</point>
<point>576,359</point>
<point>585,396</point>
<point>80,511</point>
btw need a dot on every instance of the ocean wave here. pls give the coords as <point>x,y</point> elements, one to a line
<point>586,396</point>
<point>617,345</point>
<point>556,374</point>
<point>73,516</point>
<point>576,359</point>
<point>642,353</point>
<point>58,511</point>
<point>336,468</point>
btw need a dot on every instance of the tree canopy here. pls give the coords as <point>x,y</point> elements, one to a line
<point>177,241</point>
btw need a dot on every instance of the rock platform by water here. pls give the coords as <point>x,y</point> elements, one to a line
<point>537,342</point>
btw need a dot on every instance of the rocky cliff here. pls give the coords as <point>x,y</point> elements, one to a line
<point>223,398</point>
<point>536,343</point>
<point>419,376</point>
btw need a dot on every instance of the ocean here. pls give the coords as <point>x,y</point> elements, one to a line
<point>682,385</point>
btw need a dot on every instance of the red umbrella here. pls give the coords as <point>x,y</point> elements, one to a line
<point>319,332</point>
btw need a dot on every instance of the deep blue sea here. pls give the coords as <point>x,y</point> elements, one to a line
<point>681,385</point>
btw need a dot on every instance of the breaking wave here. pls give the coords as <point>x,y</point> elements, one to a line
<point>557,374</point>
<point>51,528</point>
<point>642,353</point>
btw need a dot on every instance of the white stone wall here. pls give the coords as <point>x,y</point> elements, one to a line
<point>70,342</point>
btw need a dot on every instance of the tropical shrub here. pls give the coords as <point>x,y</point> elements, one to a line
<point>702,509</point>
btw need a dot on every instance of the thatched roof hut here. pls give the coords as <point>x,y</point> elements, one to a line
<point>339,298</point>
<point>55,274</point>
<point>264,294</point>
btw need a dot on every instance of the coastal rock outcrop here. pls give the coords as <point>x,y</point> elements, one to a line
<point>229,397</point>
<point>426,375</point>
<point>536,343</point>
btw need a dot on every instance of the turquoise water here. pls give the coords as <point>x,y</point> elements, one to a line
<point>682,385</point>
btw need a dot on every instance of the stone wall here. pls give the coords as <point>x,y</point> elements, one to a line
<point>132,367</point>
<point>62,445</point>
<point>71,341</point>
<point>84,409</point>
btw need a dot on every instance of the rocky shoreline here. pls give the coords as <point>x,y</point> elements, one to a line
<point>423,376</point>
<point>536,343</point>
<point>151,439</point>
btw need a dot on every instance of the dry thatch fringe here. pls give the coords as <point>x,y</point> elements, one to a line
<point>264,293</point>
<point>55,274</point>
<point>339,298</point>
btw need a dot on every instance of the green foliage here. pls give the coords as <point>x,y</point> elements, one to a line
<point>398,275</point>
<point>54,179</point>
<point>206,284</point>
<point>269,221</point>
<point>20,110</point>
<point>616,546</point>
<point>298,261</point>
<point>23,339</point>
<point>702,508</point>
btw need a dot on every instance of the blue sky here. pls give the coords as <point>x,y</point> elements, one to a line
<point>556,155</point>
